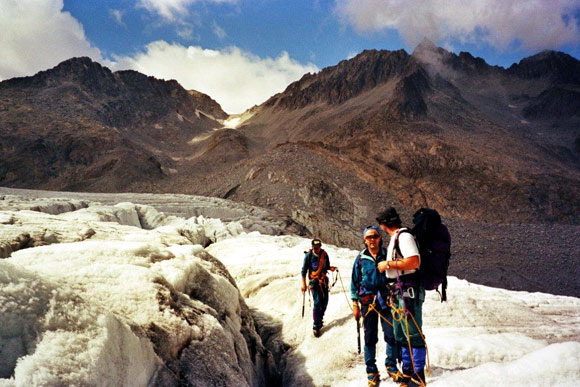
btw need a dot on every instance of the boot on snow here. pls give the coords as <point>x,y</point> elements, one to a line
<point>373,379</point>
<point>418,379</point>
<point>395,374</point>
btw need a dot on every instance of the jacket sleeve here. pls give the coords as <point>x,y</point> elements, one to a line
<point>355,280</point>
<point>305,265</point>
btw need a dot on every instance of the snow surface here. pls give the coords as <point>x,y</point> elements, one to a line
<point>111,295</point>
<point>481,336</point>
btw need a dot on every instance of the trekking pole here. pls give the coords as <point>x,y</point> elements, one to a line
<point>358,334</point>
<point>303,301</point>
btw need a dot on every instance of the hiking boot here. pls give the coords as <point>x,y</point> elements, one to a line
<point>417,380</point>
<point>373,379</point>
<point>404,379</point>
<point>395,374</point>
<point>316,332</point>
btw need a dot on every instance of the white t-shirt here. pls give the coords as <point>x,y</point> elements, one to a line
<point>408,248</point>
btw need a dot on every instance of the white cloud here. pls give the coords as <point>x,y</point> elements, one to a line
<point>185,31</point>
<point>173,10</point>
<point>218,31</point>
<point>534,24</point>
<point>234,78</point>
<point>37,35</point>
<point>117,16</point>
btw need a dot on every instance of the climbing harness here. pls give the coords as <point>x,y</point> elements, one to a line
<point>319,275</point>
<point>403,313</point>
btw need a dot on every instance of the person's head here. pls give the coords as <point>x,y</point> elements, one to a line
<point>372,237</point>
<point>389,220</point>
<point>316,245</point>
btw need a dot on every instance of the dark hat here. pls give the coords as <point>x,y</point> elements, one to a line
<point>389,217</point>
<point>369,228</point>
<point>316,242</point>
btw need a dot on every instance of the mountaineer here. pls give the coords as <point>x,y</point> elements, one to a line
<point>370,301</point>
<point>401,266</point>
<point>316,264</point>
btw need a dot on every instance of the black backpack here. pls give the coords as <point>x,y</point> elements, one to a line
<point>434,244</point>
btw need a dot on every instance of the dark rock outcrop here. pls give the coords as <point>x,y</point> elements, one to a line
<point>559,67</point>
<point>80,126</point>
<point>348,79</point>
<point>556,103</point>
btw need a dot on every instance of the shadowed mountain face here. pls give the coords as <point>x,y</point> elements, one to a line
<point>436,129</point>
<point>79,126</point>
<point>477,142</point>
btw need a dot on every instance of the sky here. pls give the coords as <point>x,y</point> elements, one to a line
<point>87,311</point>
<point>240,52</point>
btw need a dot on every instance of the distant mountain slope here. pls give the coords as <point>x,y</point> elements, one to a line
<point>81,126</point>
<point>496,151</point>
<point>480,143</point>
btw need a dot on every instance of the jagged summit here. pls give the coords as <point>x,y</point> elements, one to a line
<point>425,45</point>
<point>81,125</point>
<point>558,66</point>
<point>440,60</point>
<point>336,84</point>
<point>382,127</point>
<point>82,69</point>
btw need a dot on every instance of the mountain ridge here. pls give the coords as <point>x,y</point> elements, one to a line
<point>430,128</point>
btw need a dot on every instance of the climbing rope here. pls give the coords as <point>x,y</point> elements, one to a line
<point>398,315</point>
<point>344,290</point>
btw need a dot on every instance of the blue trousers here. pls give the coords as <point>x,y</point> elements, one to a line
<point>320,298</point>
<point>371,328</point>
<point>417,353</point>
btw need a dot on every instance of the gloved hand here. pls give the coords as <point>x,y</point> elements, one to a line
<point>356,311</point>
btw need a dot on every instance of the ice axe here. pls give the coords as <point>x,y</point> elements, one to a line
<point>303,301</point>
<point>358,335</point>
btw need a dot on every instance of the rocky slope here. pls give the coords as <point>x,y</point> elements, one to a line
<point>482,144</point>
<point>428,129</point>
<point>79,125</point>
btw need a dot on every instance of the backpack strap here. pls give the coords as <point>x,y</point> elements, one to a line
<point>414,276</point>
<point>397,249</point>
<point>319,273</point>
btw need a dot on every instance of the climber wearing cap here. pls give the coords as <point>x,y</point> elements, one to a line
<point>402,266</point>
<point>370,300</point>
<point>316,265</point>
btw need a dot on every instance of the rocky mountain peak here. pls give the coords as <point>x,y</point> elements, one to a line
<point>425,46</point>
<point>207,104</point>
<point>336,84</point>
<point>79,65</point>
<point>80,70</point>
<point>557,66</point>
<point>441,61</point>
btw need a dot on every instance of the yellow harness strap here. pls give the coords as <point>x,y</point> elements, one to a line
<point>319,273</point>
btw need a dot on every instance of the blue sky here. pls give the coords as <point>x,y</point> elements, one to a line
<point>240,52</point>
